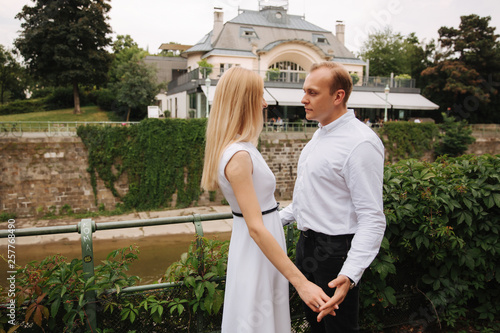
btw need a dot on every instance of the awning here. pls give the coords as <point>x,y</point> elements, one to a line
<point>408,101</point>
<point>366,99</point>
<point>285,96</point>
<point>211,93</point>
<point>358,99</point>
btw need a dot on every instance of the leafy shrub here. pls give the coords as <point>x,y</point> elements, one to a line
<point>50,294</point>
<point>23,106</point>
<point>62,98</point>
<point>455,137</point>
<point>403,140</point>
<point>443,224</point>
<point>5,216</point>
<point>104,98</point>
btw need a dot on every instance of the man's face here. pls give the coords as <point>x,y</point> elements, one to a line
<point>318,102</point>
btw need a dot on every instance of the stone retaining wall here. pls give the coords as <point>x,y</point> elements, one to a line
<point>41,174</point>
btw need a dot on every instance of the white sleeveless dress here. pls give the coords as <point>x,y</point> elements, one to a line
<point>256,296</point>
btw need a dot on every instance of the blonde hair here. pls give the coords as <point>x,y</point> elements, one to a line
<point>236,116</point>
<point>340,78</point>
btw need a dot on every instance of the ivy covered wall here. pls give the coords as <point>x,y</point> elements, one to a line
<point>163,160</point>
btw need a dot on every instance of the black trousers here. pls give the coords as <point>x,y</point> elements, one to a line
<point>320,258</point>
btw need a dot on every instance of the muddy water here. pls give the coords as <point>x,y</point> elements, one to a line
<point>156,253</point>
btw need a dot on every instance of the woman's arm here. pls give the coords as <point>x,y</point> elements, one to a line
<point>239,173</point>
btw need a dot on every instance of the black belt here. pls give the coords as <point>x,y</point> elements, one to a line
<point>263,213</point>
<point>335,238</point>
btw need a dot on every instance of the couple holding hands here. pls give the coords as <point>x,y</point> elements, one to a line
<point>337,203</point>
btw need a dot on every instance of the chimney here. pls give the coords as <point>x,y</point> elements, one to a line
<point>218,23</point>
<point>340,31</point>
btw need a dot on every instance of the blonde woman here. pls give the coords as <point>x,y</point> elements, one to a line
<point>256,295</point>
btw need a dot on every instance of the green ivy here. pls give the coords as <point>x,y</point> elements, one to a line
<point>403,140</point>
<point>160,158</point>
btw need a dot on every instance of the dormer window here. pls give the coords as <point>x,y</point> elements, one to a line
<point>248,32</point>
<point>320,39</point>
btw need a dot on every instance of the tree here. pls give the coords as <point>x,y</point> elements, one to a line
<point>125,50</point>
<point>455,139</point>
<point>63,42</point>
<point>391,52</point>
<point>465,76</point>
<point>136,87</point>
<point>12,76</point>
<point>205,67</point>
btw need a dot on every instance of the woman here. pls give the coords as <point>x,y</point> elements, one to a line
<point>256,296</point>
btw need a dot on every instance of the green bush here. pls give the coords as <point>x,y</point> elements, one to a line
<point>104,98</point>
<point>63,98</point>
<point>455,137</point>
<point>23,106</point>
<point>403,140</point>
<point>443,224</point>
<point>50,294</point>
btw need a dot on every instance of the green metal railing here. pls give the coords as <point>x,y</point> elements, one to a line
<point>86,229</point>
<point>52,128</point>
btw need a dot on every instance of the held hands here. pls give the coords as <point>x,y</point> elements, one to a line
<point>313,296</point>
<point>342,283</point>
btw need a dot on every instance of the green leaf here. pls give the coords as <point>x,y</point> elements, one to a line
<point>210,287</point>
<point>496,199</point>
<point>54,308</point>
<point>199,290</point>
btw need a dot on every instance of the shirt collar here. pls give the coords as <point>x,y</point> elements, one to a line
<point>337,123</point>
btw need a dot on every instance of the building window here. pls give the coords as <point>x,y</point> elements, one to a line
<point>286,71</point>
<point>248,32</point>
<point>225,67</point>
<point>320,39</point>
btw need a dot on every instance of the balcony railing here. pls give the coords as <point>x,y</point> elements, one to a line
<point>286,77</point>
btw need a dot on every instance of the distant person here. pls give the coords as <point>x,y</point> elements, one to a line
<point>337,200</point>
<point>279,124</point>
<point>256,295</point>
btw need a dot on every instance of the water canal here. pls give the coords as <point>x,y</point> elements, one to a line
<point>156,252</point>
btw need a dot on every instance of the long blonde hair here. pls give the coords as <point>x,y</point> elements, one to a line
<point>236,115</point>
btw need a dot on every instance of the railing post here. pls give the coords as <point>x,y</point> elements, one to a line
<point>86,227</point>
<point>199,243</point>
<point>289,236</point>
<point>199,233</point>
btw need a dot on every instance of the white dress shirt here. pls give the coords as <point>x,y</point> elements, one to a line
<point>338,189</point>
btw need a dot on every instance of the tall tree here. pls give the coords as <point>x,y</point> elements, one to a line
<point>12,78</point>
<point>383,48</point>
<point>136,87</point>
<point>63,42</point>
<point>390,52</point>
<point>468,66</point>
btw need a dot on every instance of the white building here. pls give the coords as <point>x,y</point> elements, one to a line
<point>281,47</point>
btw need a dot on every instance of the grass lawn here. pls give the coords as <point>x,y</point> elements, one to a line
<point>89,113</point>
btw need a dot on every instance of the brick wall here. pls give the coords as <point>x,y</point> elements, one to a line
<point>39,174</point>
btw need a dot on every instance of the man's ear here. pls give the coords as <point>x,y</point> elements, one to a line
<point>339,96</point>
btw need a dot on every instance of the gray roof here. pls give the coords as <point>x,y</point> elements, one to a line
<point>270,31</point>
<point>224,52</point>
<point>265,18</point>
<point>204,45</point>
<point>353,61</point>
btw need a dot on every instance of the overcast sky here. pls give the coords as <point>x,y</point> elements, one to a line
<point>153,22</point>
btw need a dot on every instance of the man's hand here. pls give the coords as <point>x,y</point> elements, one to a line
<point>312,295</point>
<point>342,283</point>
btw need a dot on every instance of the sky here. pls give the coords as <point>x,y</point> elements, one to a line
<point>153,22</point>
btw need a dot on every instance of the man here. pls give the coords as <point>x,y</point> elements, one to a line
<point>337,200</point>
